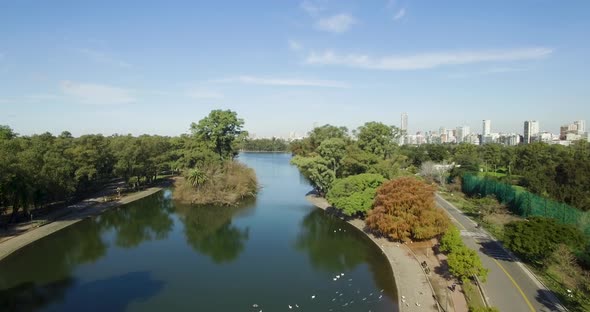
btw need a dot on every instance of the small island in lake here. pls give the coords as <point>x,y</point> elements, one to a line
<point>210,173</point>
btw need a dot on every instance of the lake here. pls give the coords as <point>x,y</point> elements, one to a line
<point>159,255</point>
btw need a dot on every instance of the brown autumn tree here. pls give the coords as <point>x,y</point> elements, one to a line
<point>404,209</point>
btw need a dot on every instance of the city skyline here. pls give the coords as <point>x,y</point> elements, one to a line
<point>285,65</point>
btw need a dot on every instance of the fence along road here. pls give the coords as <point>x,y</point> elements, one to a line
<point>510,286</point>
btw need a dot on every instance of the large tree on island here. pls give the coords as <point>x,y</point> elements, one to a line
<point>220,130</point>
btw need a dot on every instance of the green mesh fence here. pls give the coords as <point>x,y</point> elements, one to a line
<point>524,203</point>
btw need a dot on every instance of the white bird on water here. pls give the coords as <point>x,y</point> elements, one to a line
<point>290,307</point>
<point>312,296</point>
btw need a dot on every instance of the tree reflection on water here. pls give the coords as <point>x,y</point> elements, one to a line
<point>209,230</point>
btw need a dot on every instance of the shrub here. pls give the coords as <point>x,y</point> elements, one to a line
<point>451,240</point>
<point>404,209</point>
<point>536,239</point>
<point>465,263</point>
<point>355,194</point>
<point>219,184</point>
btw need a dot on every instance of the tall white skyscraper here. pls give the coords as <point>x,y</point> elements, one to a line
<point>531,128</point>
<point>581,125</point>
<point>404,123</point>
<point>462,132</point>
<point>487,127</point>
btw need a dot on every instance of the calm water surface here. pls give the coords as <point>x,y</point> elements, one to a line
<point>159,255</point>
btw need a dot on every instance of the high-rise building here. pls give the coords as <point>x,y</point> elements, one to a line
<point>567,129</point>
<point>531,128</point>
<point>404,123</point>
<point>487,127</point>
<point>461,133</point>
<point>581,125</point>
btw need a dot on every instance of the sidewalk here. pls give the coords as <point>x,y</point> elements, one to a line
<point>70,215</point>
<point>440,277</point>
<point>413,288</point>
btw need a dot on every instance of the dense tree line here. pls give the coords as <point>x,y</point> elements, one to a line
<point>264,145</point>
<point>360,175</point>
<point>555,171</point>
<point>43,169</point>
<point>331,153</point>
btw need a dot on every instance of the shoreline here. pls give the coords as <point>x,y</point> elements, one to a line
<point>411,284</point>
<point>78,213</point>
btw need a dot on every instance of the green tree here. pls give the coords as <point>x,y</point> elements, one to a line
<point>266,145</point>
<point>491,155</point>
<point>333,150</point>
<point>317,170</point>
<point>6,133</point>
<point>451,241</point>
<point>354,194</point>
<point>221,130</point>
<point>437,152</point>
<point>534,240</point>
<point>320,134</point>
<point>464,263</point>
<point>378,138</point>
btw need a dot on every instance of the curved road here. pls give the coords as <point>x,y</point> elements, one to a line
<point>510,285</point>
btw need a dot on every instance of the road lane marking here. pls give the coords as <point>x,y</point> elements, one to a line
<point>516,285</point>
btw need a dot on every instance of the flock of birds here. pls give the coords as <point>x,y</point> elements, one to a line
<point>341,297</point>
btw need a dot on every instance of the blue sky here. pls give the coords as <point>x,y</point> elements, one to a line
<point>156,66</point>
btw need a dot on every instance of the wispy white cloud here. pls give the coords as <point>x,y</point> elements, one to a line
<point>204,94</point>
<point>103,58</point>
<point>91,93</point>
<point>337,23</point>
<point>295,45</point>
<point>425,60</point>
<point>506,69</point>
<point>488,71</point>
<point>286,82</point>
<point>310,8</point>
<point>400,14</point>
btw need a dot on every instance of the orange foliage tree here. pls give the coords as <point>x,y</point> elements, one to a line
<point>404,209</point>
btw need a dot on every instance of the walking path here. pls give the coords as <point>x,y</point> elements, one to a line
<point>413,289</point>
<point>64,218</point>
<point>510,285</point>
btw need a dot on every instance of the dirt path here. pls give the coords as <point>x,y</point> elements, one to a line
<point>38,229</point>
<point>413,289</point>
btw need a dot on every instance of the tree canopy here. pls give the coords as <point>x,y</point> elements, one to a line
<point>404,210</point>
<point>354,194</point>
<point>221,131</point>
<point>538,237</point>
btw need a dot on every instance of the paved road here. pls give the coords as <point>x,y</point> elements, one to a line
<point>510,286</point>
